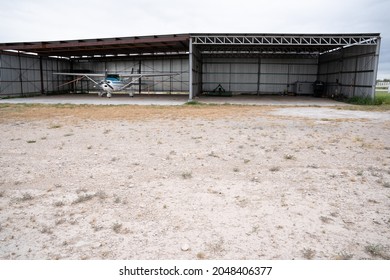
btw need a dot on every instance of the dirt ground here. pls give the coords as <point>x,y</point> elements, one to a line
<point>193,182</point>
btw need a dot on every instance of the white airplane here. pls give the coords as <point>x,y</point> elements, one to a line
<point>113,82</point>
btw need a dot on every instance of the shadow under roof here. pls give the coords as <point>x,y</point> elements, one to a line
<point>108,46</point>
<point>206,43</point>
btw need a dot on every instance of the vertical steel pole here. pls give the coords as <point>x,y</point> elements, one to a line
<point>20,74</point>
<point>258,74</point>
<point>139,80</point>
<point>191,72</point>
<point>376,61</point>
<point>41,74</point>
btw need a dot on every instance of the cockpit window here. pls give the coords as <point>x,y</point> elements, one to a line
<point>112,77</point>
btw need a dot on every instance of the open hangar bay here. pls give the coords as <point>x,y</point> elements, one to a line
<point>166,182</point>
<point>256,64</point>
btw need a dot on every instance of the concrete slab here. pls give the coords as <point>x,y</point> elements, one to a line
<point>173,99</point>
<point>272,100</point>
<point>329,113</point>
<point>93,99</point>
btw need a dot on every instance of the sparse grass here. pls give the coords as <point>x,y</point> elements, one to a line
<point>46,229</point>
<point>274,169</point>
<point>58,203</point>
<point>101,195</point>
<point>117,227</point>
<point>83,198</point>
<point>216,247</point>
<point>213,154</point>
<point>326,220</point>
<point>25,197</point>
<point>308,254</point>
<point>60,221</point>
<point>380,101</point>
<point>357,100</point>
<point>186,175</point>
<point>377,251</point>
<point>117,199</point>
<point>289,157</point>
<point>2,193</point>
<point>200,256</point>
<point>382,98</point>
<point>114,159</point>
<point>386,184</point>
<point>343,256</point>
<point>55,126</point>
<point>195,103</point>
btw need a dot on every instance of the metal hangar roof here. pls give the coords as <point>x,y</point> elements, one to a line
<point>209,44</point>
<point>103,47</point>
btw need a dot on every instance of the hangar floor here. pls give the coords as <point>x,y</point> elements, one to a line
<point>166,99</point>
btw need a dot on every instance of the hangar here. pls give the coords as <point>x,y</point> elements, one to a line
<point>257,64</point>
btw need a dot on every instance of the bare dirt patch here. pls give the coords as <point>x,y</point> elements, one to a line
<point>208,182</point>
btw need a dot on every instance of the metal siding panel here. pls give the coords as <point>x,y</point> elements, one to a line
<point>15,89</point>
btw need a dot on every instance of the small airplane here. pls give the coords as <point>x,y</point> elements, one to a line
<point>112,82</point>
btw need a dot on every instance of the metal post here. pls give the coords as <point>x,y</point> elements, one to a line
<point>41,74</point>
<point>191,73</point>
<point>258,75</point>
<point>139,80</point>
<point>20,74</point>
<point>378,46</point>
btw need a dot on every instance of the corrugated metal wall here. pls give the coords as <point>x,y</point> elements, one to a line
<point>20,75</point>
<point>349,71</point>
<point>172,84</point>
<point>257,75</point>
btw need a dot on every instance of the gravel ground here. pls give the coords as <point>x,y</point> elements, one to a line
<point>180,182</point>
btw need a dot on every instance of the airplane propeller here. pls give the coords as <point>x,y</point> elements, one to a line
<point>104,83</point>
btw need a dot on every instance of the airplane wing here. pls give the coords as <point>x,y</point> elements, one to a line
<point>81,74</point>
<point>132,78</point>
<point>148,75</point>
<point>120,74</point>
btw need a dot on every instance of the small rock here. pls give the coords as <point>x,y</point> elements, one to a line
<point>185,247</point>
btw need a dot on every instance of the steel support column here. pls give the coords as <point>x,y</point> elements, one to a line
<point>376,62</point>
<point>41,75</point>
<point>191,72</point>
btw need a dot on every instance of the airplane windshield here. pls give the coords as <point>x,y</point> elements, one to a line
<point>113,77</point>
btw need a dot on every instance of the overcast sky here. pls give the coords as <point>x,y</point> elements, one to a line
<point>43,20</point>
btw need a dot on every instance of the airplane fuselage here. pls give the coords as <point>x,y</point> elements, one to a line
<point>110,84</point>
<point>113,82</point>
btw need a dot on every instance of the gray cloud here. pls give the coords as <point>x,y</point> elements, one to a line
<point>40,20</point>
